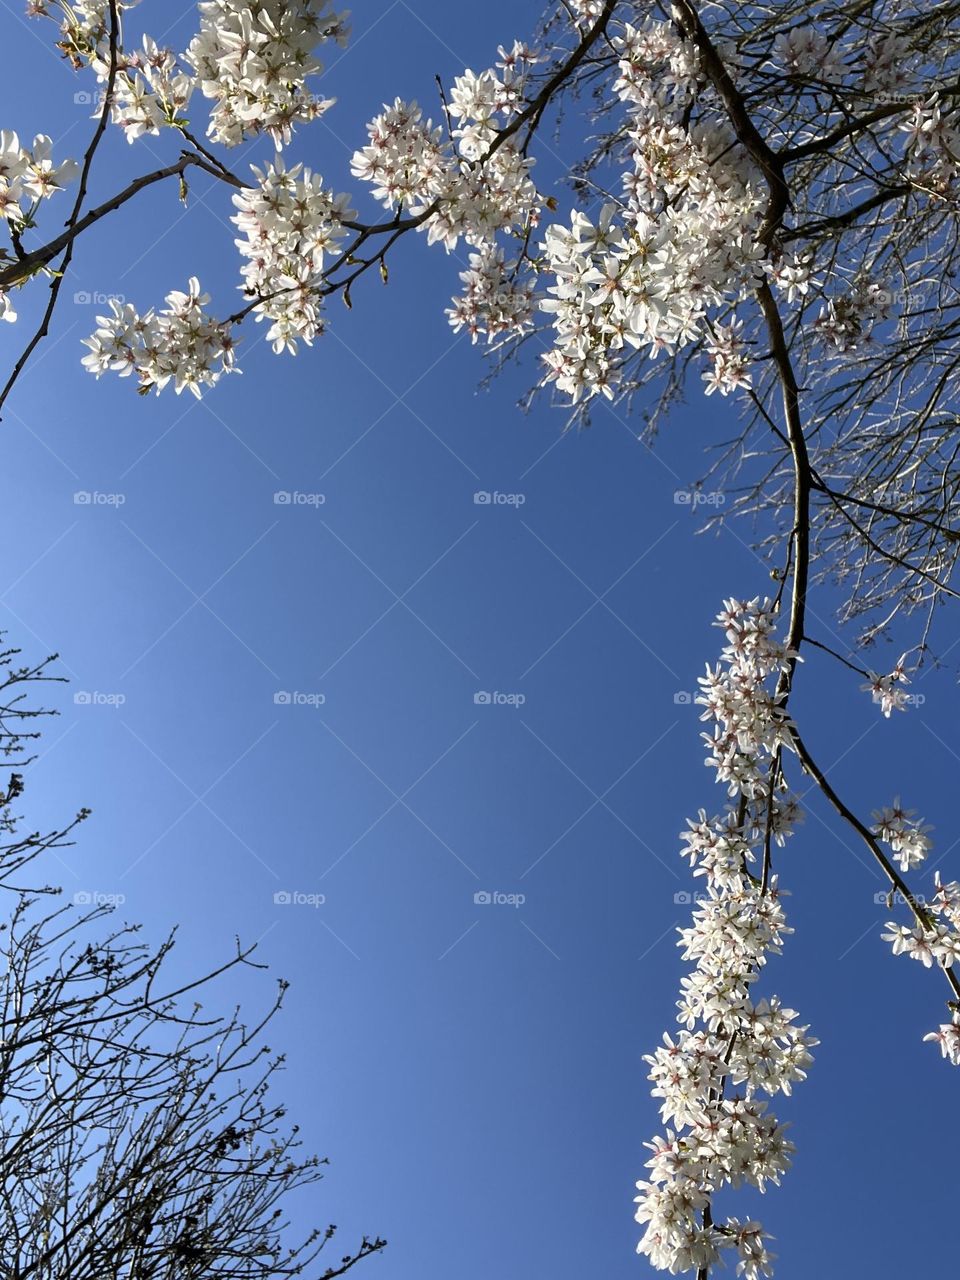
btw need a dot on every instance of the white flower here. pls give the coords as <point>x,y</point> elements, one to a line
<point>291,224</point>
<point>728,1040</point>
<point>805,51</point>
<point>254,58</point>
<point>180,344</point>
<point>493,302</point>
<point>412,167</point>
<point>150,89</point>
<point>916,942</point>
<point>885,690</point>
<point>682,241</point>
<point>948,1038</point>
<point>905,836</point>
<point>29,175</point>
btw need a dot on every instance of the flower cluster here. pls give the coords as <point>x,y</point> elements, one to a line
<point>180,344</point>
<point>682,240</point>
<point>586,12</point>
<point>654,66</point>
<point>935,935</point>
<point>406,159</point>
<point>729,368</point>
<point>731,1049</point>
<point>28,176</point>
<point>84,25</point>
<point>947,1036</point>
<point>932,144</point>
<point>887,691</point>
<point>847,321</point>
<point>150,89</point>
<point>806,52</point>
<point>906,837</point>
<point>938,938</point>
<point>253,58</point>
<point>290,223</point>
<point>889,63</point>
<point>494,302</point>
<point>792,275</point>
<point>474,186</point>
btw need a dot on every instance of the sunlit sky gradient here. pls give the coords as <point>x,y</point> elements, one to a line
<point>473,1070</point>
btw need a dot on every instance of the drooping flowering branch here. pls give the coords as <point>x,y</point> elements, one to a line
<point>733,1050</point>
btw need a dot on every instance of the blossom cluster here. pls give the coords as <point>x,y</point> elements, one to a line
<point>906,837</point>
<point>938,938</point>
<point>805,51</point>
<point>731,1050</point>
<point>464,187</point>
<point>473,185</point>
<point>682,240</point>
<point>253,58</point>
<point>179,344</point>
<point>84,24</point>
<point>932,144</point>
<point>887,691</point>
<point>494,301</point>
<point>846,321</point>
<point>27,176</point>
<point>150,89</point>
<point>889,63</point>
<point>934,937</point>
<point>290,224</point>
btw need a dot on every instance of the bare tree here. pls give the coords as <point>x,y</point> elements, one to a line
<point>139,1135</point>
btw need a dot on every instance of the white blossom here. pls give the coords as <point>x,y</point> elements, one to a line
<point>150,89</point>
<point>886,691</point>
<point>805,51</point>
<point>456,188</point>
<point>180,344</point>
<point>290,223</point>
<point>731,1048</point>
<point>906,837</point>
<point>494,302</point>
<point>948,1038</point>
<point>254,58</point>
<point>28,175</point>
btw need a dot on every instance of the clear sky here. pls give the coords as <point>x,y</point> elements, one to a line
<point>473,1069</point>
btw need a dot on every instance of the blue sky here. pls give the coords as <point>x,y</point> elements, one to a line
<point>472,1069</point>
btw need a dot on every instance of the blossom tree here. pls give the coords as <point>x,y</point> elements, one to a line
<point>768,207</point>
